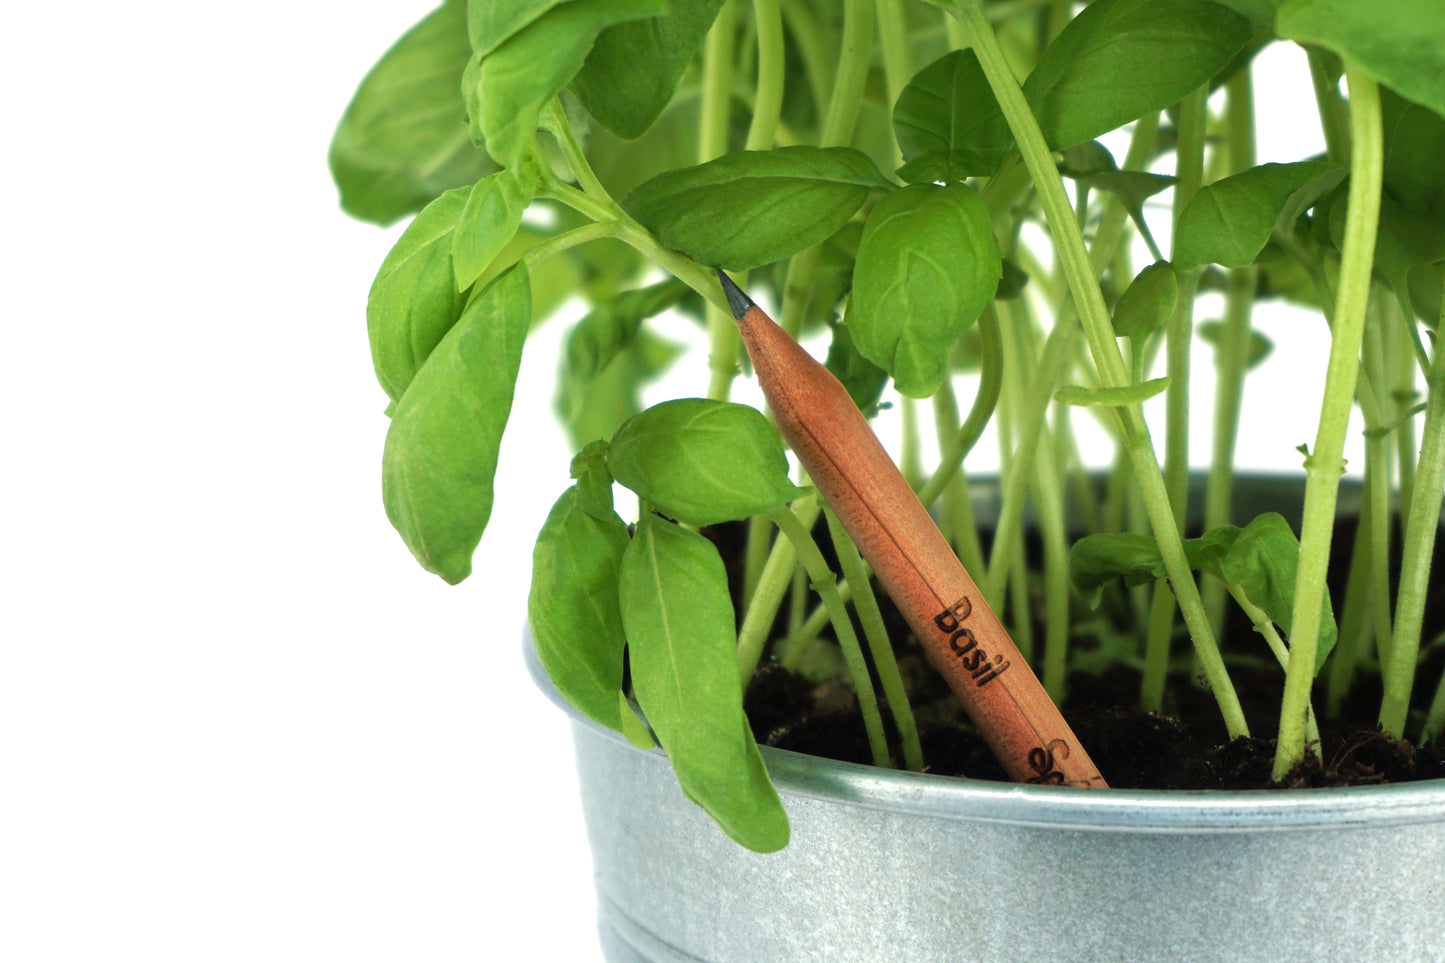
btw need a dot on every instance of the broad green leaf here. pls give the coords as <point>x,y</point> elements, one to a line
<point>682,650</point>
<point>611,326</point>
<point>1096,560</point>
<point>1229,222</point>
<point>489,22</point>
<point>414,299</point>
<point>597,408</point>
<point>927,266</point>
<point>1146,303</point>
<point>594,480</point>
<point>750,208</point>
<point>403,138</point>
<point>947,122</point>
<point>573,608</point>
<point>1414,154</point>
<point>633,727</point>
<point>1260,11</point>
<point>1119,59</point>
<point>1111,397</point>
<point>1400,43</point>
<point>554,279</point>
<point>1263,561</point>
<point>490,220</point>
<point>441,449</point>
<point>864,380</point>
<point>506,93</point>
<point>634,68</point>
<point>1259,344</point>
<point>703,462</point>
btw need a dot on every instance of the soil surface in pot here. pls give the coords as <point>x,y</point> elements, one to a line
<point>1183,747</point>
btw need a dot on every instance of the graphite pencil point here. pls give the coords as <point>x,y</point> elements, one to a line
<point>737,300</point>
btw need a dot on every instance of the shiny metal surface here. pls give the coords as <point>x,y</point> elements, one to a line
<point>897,867</point>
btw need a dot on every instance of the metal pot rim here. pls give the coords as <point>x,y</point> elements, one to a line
<point>1114,810</point>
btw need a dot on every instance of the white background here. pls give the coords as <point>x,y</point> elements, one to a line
<point>237,721</point>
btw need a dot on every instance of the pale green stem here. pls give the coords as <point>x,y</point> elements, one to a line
<point>1074,257</point>
<point>910,460</point>
<point>1353,624</point>
<point>837,131</point>
<point>897,59</point>
<point>1421,527</point>
<point>1334,117</point>
<point>768,98</point>
<point>767,597</point>
<point>1265,627</point>
<point>1049,502</point>
<point>1325,464</point>
<point>956,506</point>
<point>712,142</point>
<point>884,661</point>
<point>985,402</point>
<point>826,586</point>
<point>561,242</point>
<point>1232,357</point>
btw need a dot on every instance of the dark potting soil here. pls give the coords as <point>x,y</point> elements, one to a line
<point>1183,747</point>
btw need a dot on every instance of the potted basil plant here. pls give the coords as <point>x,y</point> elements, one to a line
<point>1008,215</point>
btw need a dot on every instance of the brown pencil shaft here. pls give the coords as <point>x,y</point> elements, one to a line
<point>914,563</point>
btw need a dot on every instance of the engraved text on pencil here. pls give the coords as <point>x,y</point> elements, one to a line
<point>961,640</point>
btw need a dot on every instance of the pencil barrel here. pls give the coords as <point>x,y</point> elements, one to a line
<point>913,562</point>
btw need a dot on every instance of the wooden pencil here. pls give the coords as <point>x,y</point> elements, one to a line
<point>911,558</point>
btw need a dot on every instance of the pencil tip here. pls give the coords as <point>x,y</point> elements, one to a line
<point>737,300</point>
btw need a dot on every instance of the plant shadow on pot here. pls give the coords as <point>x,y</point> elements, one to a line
<point>890,865</point>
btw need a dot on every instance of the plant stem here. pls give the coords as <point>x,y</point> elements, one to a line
<point>561,242</point>
<point>1232,356</point>
<point>897,59</point>
<point>837,131</point>
<point>768,99</point>
<point>1334,118</point>
<point>984,404</point>
<point>826,587</point>
<point>1421,528</point>
<point>884,661</point>
<point>767,597</point>
<point>712,142</point>
<point>1325,464</point>
<point>1074,258</point>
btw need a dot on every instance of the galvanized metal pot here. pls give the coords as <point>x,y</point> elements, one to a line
<point>895,867</point>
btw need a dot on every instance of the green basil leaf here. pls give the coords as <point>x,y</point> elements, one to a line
<point>1096,560</point>
<point>594,480</point>
<point>1111,397</point>
<point>490,22</point>
<point>703,461</point>
<point>634,68</point>
<point>1260,11</point>
<point>947,122</point>
<point>490,220</point>
<point>573,609</point>
<point>403,140</point>
<point>927,266</point>
<point>517,78</point>
<point>682,649</point>
<point>441,450</point>
<point>1229,222</point>
<point>1120,59</point>
<point>611,326</point>
<point>596,409</point>
<point>1146,303</point>
<point>1400,43</point>
<point>864,380</point>
<point>1414,154</point>
<point>750,208</point>
<point>1259,344</point>
<point>1263,561</point>
<point>414,300</point>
